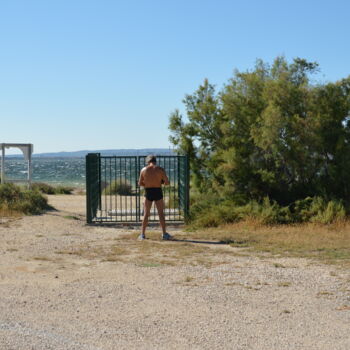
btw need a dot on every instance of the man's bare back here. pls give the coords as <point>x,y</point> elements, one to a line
<point>153,176</point>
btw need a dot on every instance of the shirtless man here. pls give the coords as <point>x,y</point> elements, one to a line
<point>151,178</point>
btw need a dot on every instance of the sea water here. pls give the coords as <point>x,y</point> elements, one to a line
<point>54,171</point>
<point>71,171</point>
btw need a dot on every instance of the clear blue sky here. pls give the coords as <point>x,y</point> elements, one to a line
<point>98,74</point>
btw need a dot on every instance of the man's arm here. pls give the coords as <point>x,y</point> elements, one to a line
<point>141,178</point>
<point>165,179</point>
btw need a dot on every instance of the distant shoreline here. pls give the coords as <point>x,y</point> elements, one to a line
<point>108,152</point>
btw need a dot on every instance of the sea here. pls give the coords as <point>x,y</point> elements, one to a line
<point>70,171</point>
<point>55,171</point>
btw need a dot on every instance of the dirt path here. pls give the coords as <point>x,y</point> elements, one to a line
<point>66,285</point>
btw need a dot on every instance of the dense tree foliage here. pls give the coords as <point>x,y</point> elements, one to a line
<point>269,132</point>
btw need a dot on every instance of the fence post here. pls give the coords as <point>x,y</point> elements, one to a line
<point>187,190</point>
<point>88,191</point>
<point>93,185</point>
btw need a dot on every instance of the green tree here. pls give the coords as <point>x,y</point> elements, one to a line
<point>201,136</point>
<point>332,115</point>
<point>269,132</point>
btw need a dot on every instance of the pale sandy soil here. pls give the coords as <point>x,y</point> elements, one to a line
<point>59,291</point>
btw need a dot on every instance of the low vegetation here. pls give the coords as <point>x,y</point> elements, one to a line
<point>151,253</point>
<point>17,200</point>
<point>210,211</point>
<point>214,246</point>
<point>49,189</point>
<point>328,243</point>
<point>121,187</point>
<point>171,202</point>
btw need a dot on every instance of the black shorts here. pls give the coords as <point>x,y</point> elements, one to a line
<point>153,193</point>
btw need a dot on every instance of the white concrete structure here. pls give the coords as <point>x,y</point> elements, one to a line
<point>27,150</point>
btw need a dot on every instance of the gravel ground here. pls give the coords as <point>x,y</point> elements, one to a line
<point>51,301</point>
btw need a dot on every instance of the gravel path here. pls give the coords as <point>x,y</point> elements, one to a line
<point>62,301</point>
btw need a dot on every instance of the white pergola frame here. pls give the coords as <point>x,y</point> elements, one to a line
<point>27,150</point>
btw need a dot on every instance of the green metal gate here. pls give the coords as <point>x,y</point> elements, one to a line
<point>113,194</point>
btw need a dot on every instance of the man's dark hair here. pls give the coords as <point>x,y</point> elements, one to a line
<point>151,159</point>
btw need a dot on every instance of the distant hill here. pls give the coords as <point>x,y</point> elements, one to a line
<point>107,152</point>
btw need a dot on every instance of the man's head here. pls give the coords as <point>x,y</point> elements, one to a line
<point>151,159</point>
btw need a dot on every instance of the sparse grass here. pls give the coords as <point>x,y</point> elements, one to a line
<point>112,258</point>
<point>6,212</point>
<point>65,252</point>
<point>230,284</point>
<point>286,311</point>
<point>150,264</point>
<point>243,285</point>
<point>324,293</point>
<point>343,308</point>
<point>328,243</point>
<point>152,252</point>
<point>284,284</point>
<point>42,258</point>
<point>189,279</point>
<point>90,251</point>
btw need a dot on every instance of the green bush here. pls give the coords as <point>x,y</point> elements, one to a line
<point>225,212</point>
<point>14,198</point>
<point>118,187</point>
<point>318,210</point>
<point>211,213</point>
<point>209,219</point>
<point>43,188</point>
<point>63,190</point>
<point>267,213</point>
<point>333,212</point>
<point>216,216</point>
<point>49,189</point>
<point>9,194</point>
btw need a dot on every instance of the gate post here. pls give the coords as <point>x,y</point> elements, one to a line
<point>187,190</point>
<point>137,173</point>
<point>93,185</point>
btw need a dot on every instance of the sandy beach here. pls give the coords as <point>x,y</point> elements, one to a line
<point>67,285</point>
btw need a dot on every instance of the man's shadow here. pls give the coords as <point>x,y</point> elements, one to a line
<point>195,241</point>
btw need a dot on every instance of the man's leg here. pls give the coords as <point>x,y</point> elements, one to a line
<point>147,205</point>
<point>160,209</point>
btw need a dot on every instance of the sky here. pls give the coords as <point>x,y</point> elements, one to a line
<point>106,74</point>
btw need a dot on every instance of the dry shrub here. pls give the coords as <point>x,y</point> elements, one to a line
<point>213,212</point>
<point>49,189</point>
<point>120,187</point>
<point>14,199</point>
